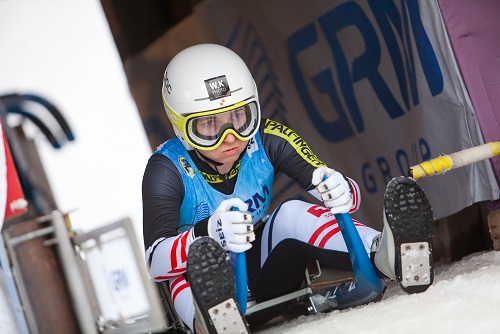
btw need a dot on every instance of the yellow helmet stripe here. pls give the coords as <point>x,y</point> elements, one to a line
<point>177,120</point>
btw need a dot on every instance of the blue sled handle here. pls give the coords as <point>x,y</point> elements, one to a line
<point>366,277</point>
<point>240,275</point>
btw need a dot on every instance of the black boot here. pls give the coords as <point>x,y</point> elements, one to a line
<point>211,278</point>
<point>404,253</point>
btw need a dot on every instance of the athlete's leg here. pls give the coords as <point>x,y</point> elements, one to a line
<point>299,231</point>
<point>296,233</point>
<point>207,302</point>
<point>211,278</point>
<point>182,298</point>
<point>311,224</point>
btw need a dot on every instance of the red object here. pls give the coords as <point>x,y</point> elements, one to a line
<point>16,203</point>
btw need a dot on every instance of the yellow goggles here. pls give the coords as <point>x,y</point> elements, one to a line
<point>206,130</point>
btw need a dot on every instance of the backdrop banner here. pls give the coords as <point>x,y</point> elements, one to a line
<point>372,86</point>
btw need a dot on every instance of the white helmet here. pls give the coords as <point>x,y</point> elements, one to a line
<point>209,92</point>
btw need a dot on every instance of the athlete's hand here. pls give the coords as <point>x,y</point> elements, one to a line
<point>333,189</point>
<point>233,230</point>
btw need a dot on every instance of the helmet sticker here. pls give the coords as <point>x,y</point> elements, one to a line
<point>217,87</point>
<point>166,83</point>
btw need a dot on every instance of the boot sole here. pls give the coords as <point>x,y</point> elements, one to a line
<point>211,278</point>
<point>409,215</point>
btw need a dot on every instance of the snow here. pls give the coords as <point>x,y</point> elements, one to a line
<point>63,50</point>
<point>465,298</point>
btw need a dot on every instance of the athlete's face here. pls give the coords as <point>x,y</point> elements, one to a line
<point>228,151</point>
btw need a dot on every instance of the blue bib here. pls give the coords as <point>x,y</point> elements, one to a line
<point>254,184</point>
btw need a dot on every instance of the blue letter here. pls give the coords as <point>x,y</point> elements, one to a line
<point>368,179</point>
<point>364,66</point>
<point>333,131</point>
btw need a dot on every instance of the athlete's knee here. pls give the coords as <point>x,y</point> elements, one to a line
<point>290,205</point>
<point>287,215</point>
<point>293,208</point>
<point>290,220</point>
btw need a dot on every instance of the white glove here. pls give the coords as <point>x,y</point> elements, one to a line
<point>233,230</point>
<point>333,189</point>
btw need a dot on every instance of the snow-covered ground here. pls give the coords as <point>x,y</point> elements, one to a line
<point>63,50</point>
<point>465,298</point>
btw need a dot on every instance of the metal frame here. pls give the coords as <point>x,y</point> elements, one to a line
<point>24,302</point>
<point>74,280</point>
<point>154,320</point>
<point>307,292</point>
<point>10,282</point>
<point>71,251</point>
